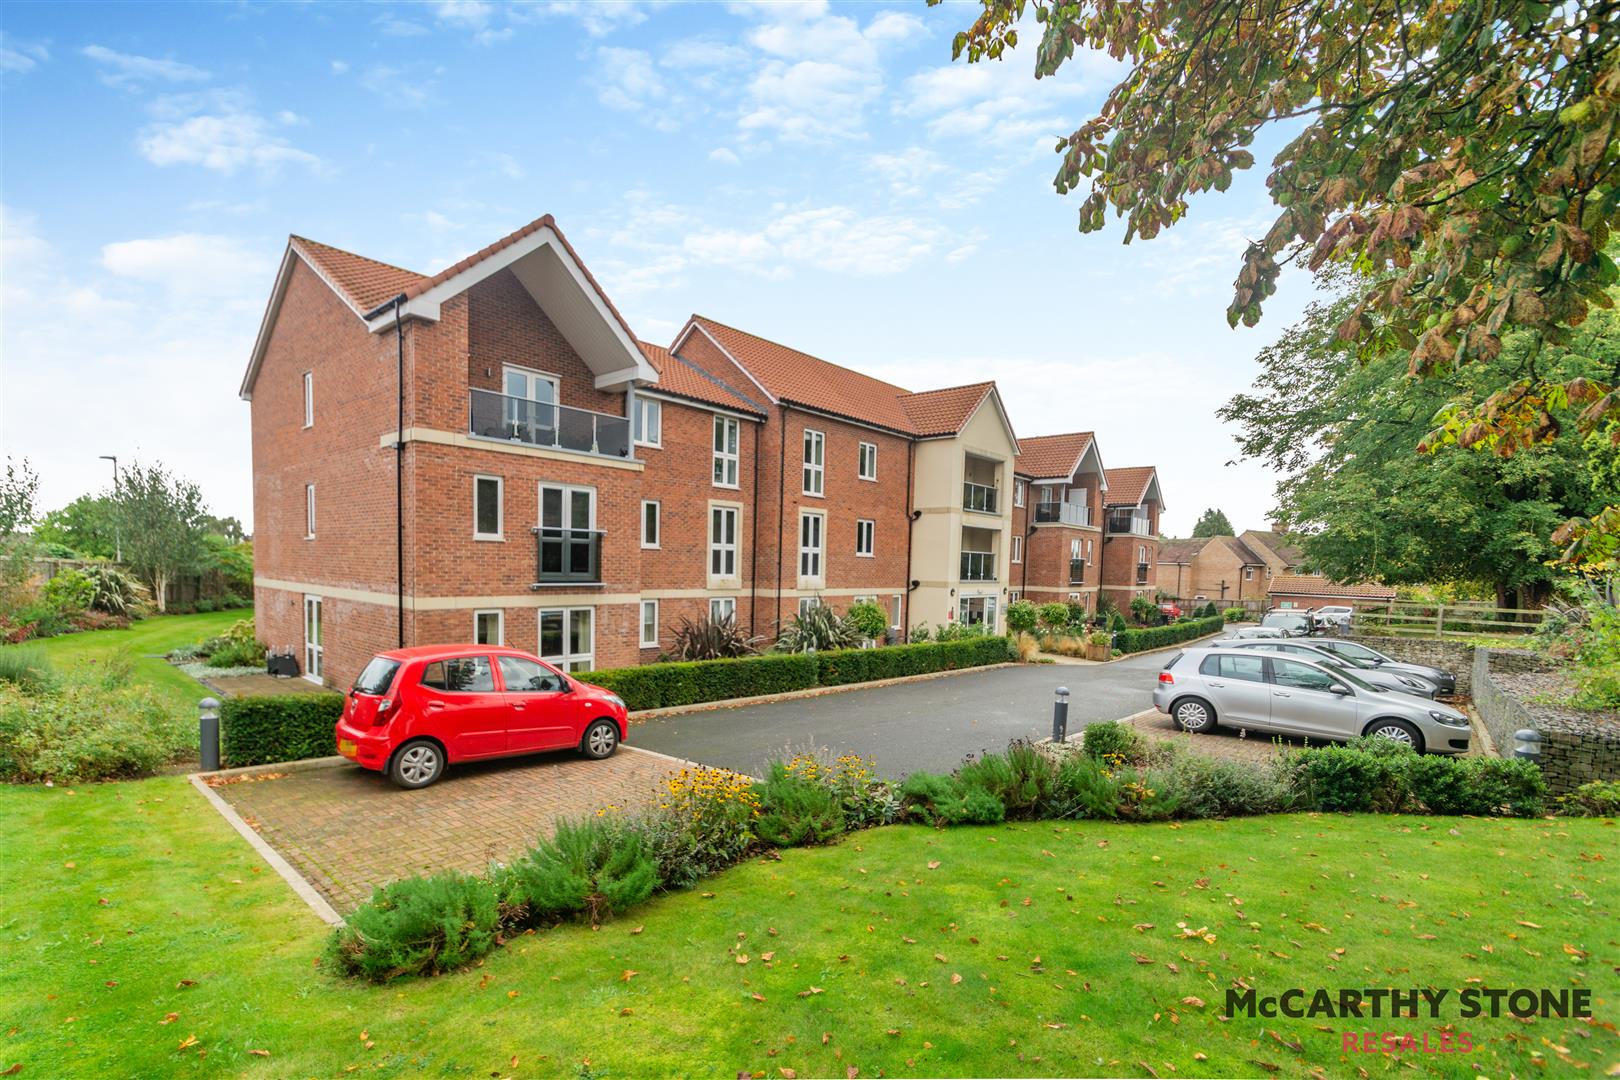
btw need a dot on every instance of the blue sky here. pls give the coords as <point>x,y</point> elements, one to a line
<point>819,174</point>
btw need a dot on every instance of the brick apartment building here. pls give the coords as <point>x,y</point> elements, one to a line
<point>490,454</point>
<point>1130,549</point>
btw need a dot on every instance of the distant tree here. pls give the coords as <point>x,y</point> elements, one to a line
<point>230,528</point>
<point>19,489</point>
<point>1213,523</point>
<point>84,526</point>
<point>161,518</point>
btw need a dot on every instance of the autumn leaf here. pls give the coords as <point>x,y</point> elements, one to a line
<point>934,864</point>
<point>638,930</point>
<point>788,1074</point>
<point>170,1018</point>
<point>940,957</point>
<point>767,957</point>
<point>1195,1002</point>
<point>955,978</point>
<point>183,983</point>
<point>1140,959</point>
<point>628,975</point>
<point>742,958</point>
<point>188,1041</point>
<point>259,1053</point>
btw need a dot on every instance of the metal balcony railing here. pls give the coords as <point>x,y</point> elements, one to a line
<point>538,423</point>
<point>567,555</point>
<point>1077,571</point>
<point>979,497</point>
<point>978,566</point>
<point>1066,513</point>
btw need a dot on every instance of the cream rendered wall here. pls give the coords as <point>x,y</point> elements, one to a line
<point>936,538</point>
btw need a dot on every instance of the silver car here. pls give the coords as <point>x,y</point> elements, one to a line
<point>1291,623</point>
<point>1245,688</point>
<point>1354,650</point>
<point>1396,682</point>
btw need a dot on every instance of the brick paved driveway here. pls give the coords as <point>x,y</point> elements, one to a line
<point>1224,742</point>
<point>347,829</point>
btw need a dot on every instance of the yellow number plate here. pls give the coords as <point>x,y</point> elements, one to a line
<point>346,746</point>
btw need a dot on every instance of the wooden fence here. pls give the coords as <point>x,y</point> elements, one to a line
<point>1411,618</point>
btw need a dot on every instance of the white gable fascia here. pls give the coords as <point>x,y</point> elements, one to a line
<point>693,324</point>
<point>428,305</point>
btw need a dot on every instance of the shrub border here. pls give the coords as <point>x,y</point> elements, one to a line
<point>811,692</point>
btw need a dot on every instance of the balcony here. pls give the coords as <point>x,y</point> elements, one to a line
<point>1142,573</point>
<point>567,556</point>
<point>978,566</point>
<point>1064,513</point>
<point>1077,571</point>
<point>980,498</point>
<point>1129,524</point>
<point>542,424</point>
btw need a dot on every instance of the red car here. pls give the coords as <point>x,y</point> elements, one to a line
<point>414,711</point>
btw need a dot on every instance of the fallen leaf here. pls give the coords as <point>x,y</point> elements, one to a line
<point>1140,959</point>
<point>511,993</point>
<point>169,1019</point>
<point>940,957</point>
<point>742,958</point>
<point>188,1041</point>
<point>934,865</point>
<point>1195,1002</point>
<point>788,1074</point>
<point>183,983</point>
<point>638,929</point>
<point>628,975</point>
<point>259,1053</point>
<point>955,978</point>
<point>767,956</point>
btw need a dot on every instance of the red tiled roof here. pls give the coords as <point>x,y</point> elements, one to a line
<point>1317,585</point>
<point>1127,486</point>
<point>365,283</point>
<point>943,412</point>
<point>801,379</point>
<point>676,376</point>
<point>1047,456</point>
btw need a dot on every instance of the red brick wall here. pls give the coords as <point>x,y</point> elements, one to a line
<point>1120,556</point>
<point>506,326</point>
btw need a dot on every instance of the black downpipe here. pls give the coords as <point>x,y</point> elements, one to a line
<point>753,546</point>
<point>781,511</point>
<point>911,519</point>
<point>397,304</point>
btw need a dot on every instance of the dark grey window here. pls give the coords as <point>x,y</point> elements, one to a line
<point>526,676</point>
<point>1234,666</point>
<point>377,676</point>
<point>463,675</point>
<point>1300,676</point>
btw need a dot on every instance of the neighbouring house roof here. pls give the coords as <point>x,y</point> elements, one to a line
<point>1276,543</point>
<point>793,377</point>
<point>364,283</point>
<point>1050,457</point>
<point>1182,551</point>
<point>1317,585</point>
<point>1133,485</point>
<point>683,379</point>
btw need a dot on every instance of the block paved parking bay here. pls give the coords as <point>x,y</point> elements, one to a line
<point>348,830</point>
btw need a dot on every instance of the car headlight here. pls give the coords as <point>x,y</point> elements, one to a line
<point>617,700</point>
<point>1447,719</point>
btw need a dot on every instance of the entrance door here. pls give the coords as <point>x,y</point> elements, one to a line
<point>531,405</point>
<point>314,651</point>
<point>567,533</point>
<point>977,609</point>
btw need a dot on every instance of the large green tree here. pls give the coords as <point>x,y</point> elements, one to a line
<point>1462,154</point>
<point>161,519</point>
<point>84,526</point>
<point>1213,522</point>
<point>1342,432</point>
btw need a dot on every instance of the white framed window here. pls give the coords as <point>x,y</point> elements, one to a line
<point>1248,571</point>
<point>865,536</point>
<point>722,541</point>
<point>309,511</point>
<point>489,511</point>
<point>527,384</point>
<point>1088,551</point>
<point>812,525</point>
<point>649,422</point>
<point>895,608</point>
<point>722,608</point>
<point>806,603</point>
<point>1017,549</point>
<point>489,627</point>
<point>568,637</point>
<point>314,640</point>
<point>1014,596</point>
<point>815,455</point>
<point>1018,493</point>
<point>726,438</point>
<point>649,624</point>
<point>866,466</point>
<point>651,523</point>
<point>309,399</point>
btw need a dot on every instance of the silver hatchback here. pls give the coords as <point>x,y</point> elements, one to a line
<point>1292,695</point>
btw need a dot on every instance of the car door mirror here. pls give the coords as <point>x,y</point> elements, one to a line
<point>1340,689</point>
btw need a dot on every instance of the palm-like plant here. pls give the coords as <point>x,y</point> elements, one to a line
<point>713,639</point>
<point>115,590</point>
<point>818,629</point>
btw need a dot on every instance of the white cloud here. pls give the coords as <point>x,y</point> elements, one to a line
<point>917,172</point>
<point>398,87</point>
<point>628,81</point>
<point>505,164</point>
<point>394,26</point>
<point>690,53</point>
<point>126,71</point>
<point>469,13</point>
<point>724,156</point>
<point>218,131</point>
<point>340,67</point>
<point>597,18</point>
<point>193,264</point>
<point>21,56</point>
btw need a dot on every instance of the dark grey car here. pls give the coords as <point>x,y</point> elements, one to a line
<point>1396,682</point>
<point>1354,650</point>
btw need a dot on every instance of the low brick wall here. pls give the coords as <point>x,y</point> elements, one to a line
<point>1454,656</point>
<point>1576,746</point>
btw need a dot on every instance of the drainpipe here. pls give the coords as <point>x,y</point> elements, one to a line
<point>753,546</point>
<point>781,510</point>
<point>397,304</point>
<point>911,519</point>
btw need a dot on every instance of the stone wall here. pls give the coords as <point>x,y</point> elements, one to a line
<point>1576,746</point>
<point>1454,656</point>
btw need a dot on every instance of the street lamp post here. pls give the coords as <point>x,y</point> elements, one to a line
<point>118,547</point>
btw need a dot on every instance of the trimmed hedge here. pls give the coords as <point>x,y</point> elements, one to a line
<point>280,727</point>
<point>1155,637</point>
<point>658,686</point>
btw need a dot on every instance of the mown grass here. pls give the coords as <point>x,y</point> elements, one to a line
<point>122,904</point>
<point>144,643</point>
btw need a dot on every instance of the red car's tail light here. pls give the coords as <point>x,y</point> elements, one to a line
<point>382,712</point>
<point>1167,678</point>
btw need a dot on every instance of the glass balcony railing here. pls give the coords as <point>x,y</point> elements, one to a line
<point>567,555</point>
<point>539,423</point>
<point>1066,513</point>
<point>1129,523</point>
<point>979,497</point>
<point>978,566</point>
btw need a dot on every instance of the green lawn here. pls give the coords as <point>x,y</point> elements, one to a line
<point>129,905</point>
<point>145,642</point>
